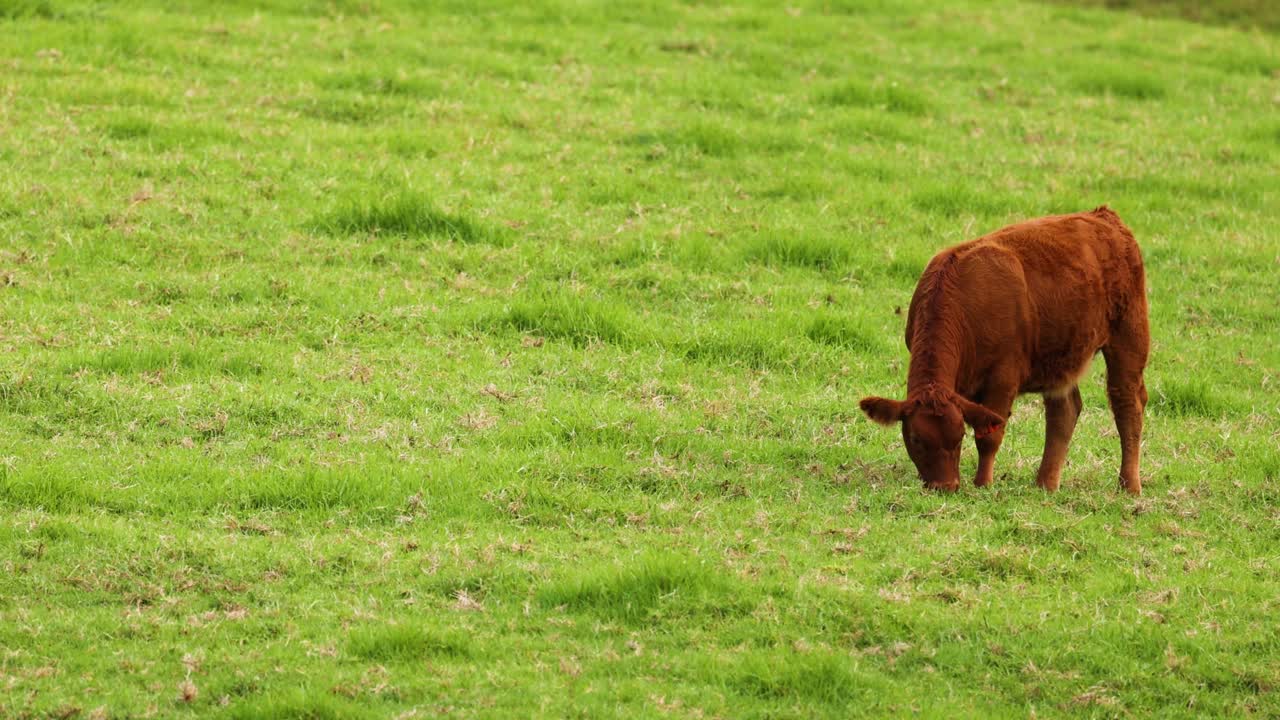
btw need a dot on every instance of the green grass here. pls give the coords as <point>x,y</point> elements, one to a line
<point>1262,14</point>
<point>888,97</point>
<point>405,214</point>
<point>390,359</point>
<point>401,644</point>
<point>646,589</point>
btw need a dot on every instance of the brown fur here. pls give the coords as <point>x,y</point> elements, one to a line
<point>1023,310</point>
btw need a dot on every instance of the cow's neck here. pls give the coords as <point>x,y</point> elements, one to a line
<point>935,361</point>
<point>939,344</point>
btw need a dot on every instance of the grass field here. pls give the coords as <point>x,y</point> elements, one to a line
<point>1264,14</point>
<point>366,359</point>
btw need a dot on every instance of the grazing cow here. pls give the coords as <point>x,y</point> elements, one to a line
<point>1023,310</point>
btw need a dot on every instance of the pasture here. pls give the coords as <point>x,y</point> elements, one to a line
<point>471,359</point>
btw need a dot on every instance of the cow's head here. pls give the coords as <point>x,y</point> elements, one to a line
<point>933,429</point>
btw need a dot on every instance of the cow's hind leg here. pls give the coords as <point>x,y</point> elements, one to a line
<point>1061,410</point>
<point>1126,356</point>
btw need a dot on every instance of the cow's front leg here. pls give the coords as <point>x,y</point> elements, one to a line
<point>1060,414</point>
<point>988,446</point>
<point>988,443</point>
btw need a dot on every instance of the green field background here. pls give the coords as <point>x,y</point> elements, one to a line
<point>474,359</point>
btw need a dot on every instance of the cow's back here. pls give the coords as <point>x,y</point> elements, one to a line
<point>1074,263</point>
<point>1044,292</point>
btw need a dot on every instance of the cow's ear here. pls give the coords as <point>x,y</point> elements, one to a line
<point>882,410</point>
<point>982,419</point>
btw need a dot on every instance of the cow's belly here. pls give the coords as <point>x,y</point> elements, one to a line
<point>1057,372</point>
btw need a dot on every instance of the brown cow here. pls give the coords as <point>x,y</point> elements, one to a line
<point>1023,310</point>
